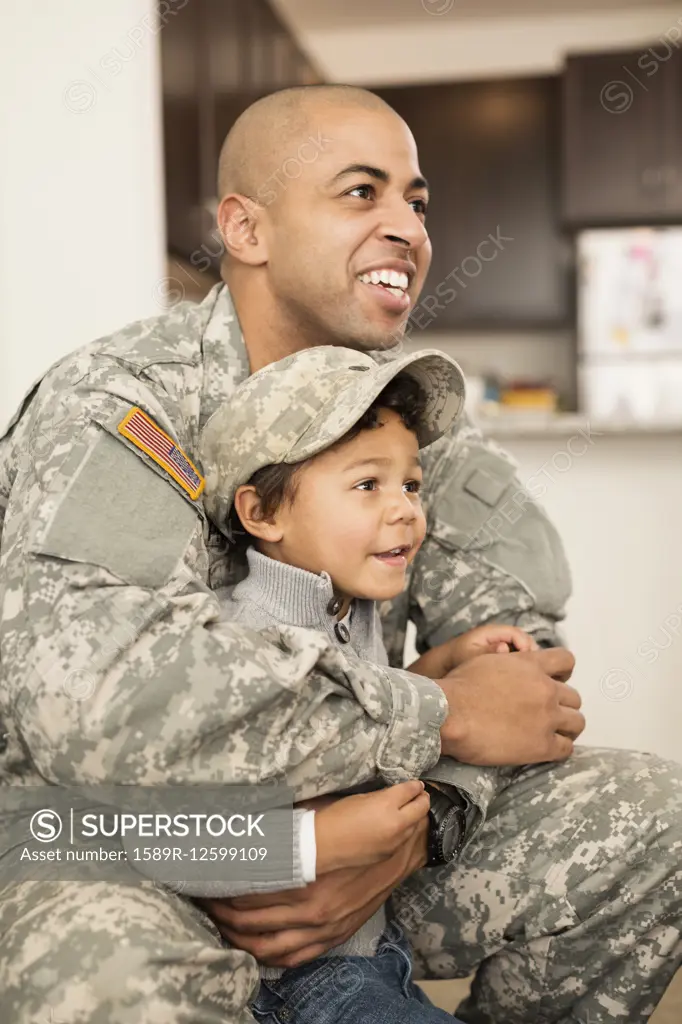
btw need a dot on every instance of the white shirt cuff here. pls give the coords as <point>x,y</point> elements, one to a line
<point>308,846</point>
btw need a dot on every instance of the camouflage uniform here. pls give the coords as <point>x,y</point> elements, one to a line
<point>116,667</point>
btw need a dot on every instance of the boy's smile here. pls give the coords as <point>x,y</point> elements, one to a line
<point>396,556</point>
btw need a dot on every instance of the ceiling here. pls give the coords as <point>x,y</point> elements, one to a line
<point>321,15</point>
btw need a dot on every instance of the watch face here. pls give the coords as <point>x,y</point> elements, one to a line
<point>450,835</point>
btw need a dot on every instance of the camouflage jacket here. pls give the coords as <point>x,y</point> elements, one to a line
<point>116,664</point>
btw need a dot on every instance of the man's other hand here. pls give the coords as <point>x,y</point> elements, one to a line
<point>285,929</point>
<point>512,709</point>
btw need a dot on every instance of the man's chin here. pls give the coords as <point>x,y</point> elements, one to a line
<point>395,338</point>
<point>380,336</point>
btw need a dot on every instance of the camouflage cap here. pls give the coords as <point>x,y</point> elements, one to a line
<point>295,408</point>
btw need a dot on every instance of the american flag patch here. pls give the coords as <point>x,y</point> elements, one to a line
<point>143,432</point>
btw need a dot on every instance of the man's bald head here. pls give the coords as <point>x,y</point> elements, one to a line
<point>273,128</point>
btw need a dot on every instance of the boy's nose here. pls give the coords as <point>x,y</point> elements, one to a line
<point>401,508</point>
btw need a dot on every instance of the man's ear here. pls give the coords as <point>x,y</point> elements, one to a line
<point>248,507</point>
<point>240,224</point>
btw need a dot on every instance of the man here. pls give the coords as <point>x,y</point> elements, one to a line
<point>568,893</point>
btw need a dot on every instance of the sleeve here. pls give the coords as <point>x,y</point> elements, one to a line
<point>491,553</point>
<point>308,847</point>
<point>304,857</point>
<point>117,664</point>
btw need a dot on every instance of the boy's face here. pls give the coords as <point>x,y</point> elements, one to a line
<point>354,503</point>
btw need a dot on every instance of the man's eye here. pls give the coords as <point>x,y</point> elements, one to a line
<point>419,206</point>
<point>367,483</point>
<point>369,189</point>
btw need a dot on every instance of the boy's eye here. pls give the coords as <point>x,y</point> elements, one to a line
<point>414,486</point>
<point>367,483</point>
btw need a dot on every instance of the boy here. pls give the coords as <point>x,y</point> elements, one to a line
<point>314,466</point>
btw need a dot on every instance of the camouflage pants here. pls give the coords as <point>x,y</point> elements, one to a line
<point>570,899</point>
<point>97,953</point>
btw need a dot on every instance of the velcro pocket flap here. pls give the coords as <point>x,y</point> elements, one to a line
<point>118,514</point>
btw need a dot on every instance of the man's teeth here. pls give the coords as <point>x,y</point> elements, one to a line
<point>393,280</point>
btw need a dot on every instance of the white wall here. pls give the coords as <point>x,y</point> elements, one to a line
<point>617,509</point>
<point>82,243</point>
<point>449,47</point>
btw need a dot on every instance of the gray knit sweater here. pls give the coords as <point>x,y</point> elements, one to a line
<point>275,593</point>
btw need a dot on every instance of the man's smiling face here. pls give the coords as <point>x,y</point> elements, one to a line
<point>347,245</point>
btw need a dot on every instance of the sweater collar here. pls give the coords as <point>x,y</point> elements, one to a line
<point>293,595</point>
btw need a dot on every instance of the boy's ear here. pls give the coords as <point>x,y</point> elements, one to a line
<point>240,222</point>
<point>248,507</point>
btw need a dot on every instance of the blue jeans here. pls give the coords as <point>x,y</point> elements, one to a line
<point>350,990</point>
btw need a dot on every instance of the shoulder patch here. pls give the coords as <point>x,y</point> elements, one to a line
<point>141,430</point>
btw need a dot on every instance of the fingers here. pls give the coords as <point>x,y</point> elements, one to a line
<point>571,723</point>
<point>556,662</point>
<point>256,901</point>
<point>568,697</point>
<point>344,879</point>
<point>270,949</point>
<point>501,639</point>
<point>415,810</point>
<point>304,956</point>
<point>332,897</point>
<point>289,947</point>
<point>523,641</point>
<point>513,636</point>
<point>256,922</point>
<point>561,748</point>
<point>404,792</point>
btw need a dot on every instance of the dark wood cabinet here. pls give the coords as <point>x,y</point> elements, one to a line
<point>622,137</point>
<point>491,152</point>
<point>217,56</point>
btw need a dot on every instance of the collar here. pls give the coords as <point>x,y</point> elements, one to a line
<point>295,597</point>
<point>223,353</point>
<point>292,595</point>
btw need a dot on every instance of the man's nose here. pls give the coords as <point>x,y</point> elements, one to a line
<point>402,226</point>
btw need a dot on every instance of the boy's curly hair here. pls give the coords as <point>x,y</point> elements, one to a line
<point>278,483</point>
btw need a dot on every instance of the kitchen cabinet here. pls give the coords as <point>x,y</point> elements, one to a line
<point>217,57</point>
<point>622,137</point>
<point>490,151</point>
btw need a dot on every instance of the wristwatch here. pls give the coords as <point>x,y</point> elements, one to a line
<point>447,825</point>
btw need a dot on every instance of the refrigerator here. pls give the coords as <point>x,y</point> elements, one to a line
<point>630,325</point>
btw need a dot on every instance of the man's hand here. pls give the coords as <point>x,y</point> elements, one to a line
<point>285,929</point>
<point>509,709</point>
